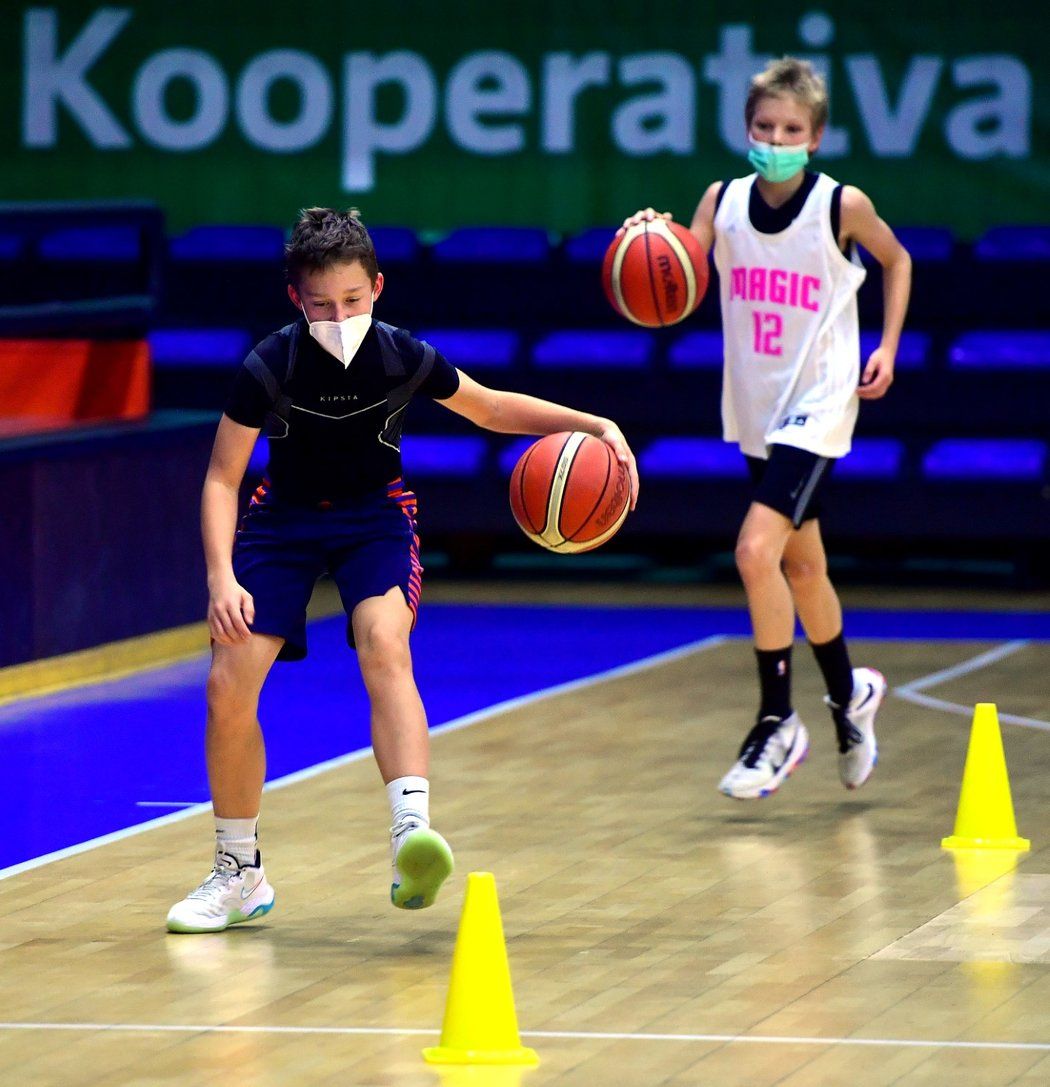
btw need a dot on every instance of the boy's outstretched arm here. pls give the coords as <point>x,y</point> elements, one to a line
<point>703,224</point>
<point>861,223</point>
<point>515,413</point>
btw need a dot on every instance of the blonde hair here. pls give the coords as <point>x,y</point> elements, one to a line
<point>789,76</point>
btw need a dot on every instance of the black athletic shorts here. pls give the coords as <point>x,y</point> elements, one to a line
<point>368,544</point>
<point>790,481</point>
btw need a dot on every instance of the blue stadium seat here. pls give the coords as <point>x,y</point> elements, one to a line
<point>221,243</point>
<point>627,350</point>
<point>491,349</point>
<point>11,246</point>
<point>1001,351</point>
<point>511,454</point>
<point>494,245</point>
<point>872,458</point>
<point>702,350</point>
<point>394,243</point>
<point>101,243</point>
<point>913,353</point>
<point>927,243</point>
<point>219,348</point>
<point>1030,242</point>
<point>697,351</point>
<point>589,246</point>
<point>432,455</point>
<point>259,458</point>
<point>691,458</point>
<point>1018,459</point>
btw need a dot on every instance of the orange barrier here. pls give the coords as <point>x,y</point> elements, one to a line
<point>51,383</point>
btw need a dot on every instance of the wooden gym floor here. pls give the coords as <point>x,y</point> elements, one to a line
<point>658,933</point>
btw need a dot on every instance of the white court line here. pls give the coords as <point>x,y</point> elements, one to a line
<point>965,667</point>
<point>166,803</point>
<point>569,1035</point>
<point>911,692</point>
<point>465,721</point>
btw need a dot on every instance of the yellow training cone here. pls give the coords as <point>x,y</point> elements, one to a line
<point>985,819</point>
<point>481,1026</point>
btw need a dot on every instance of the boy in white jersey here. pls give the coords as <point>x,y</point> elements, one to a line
<point>785,247</point>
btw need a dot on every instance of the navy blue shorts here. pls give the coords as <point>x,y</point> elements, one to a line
<point>790,481</point>
<point>369,545</point>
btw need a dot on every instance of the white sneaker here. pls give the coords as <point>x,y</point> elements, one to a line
<point>231,894</point>
<point>858,751</point>
<point>422,862</point>
<point>773,748</point>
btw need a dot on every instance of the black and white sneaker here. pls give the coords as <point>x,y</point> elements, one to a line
<point>858,751</point>
<point>773,748</point>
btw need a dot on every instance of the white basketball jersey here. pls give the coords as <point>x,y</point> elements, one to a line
<point>789,321</point>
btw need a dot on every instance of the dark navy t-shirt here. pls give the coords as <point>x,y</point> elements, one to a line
<point>341,432</point>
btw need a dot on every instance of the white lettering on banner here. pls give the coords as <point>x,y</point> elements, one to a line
<point>49,79</point>
<point>816,30</point>
<point>487,83</point>
<point>564,77</point>
<point>834,144</point>
<point>489,96</point>
<point>315,101</point>
<point>364,133</point>
<point>893,133</point>
<point>212,99</point>
<point>967,125</point>
<point>657,122</point>
<point>731,69</point>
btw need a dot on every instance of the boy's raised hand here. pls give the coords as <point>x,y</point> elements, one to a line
<point>646,215</point>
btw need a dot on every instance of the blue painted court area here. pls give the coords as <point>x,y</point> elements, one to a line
<point>102,758</point>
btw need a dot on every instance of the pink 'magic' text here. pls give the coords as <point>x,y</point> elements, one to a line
<point>775,285</point>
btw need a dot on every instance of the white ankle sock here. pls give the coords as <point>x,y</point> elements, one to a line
<point>409,801</point>
<point>238,837</point>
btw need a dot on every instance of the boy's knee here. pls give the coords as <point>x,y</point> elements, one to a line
<point>226,692</point>
<point>382,648</point>
<point>754,557</point>
<point>804,572</point>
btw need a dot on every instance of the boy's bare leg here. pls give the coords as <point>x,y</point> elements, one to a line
<point>854,694</point>
<point>234,742</point>
<point>237,889</point>
<point>759,551</point>
<point>422,858</point>
<point>806,569</point>
<point>399,723</point>
<point>777,743</point>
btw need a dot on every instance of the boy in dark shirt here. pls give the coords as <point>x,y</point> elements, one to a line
<point>331,391</point>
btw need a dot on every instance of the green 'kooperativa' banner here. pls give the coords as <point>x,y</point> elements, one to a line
<point>553,114</point>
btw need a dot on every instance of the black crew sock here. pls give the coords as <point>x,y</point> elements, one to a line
<point>834,662</point>
<point>774,678</point>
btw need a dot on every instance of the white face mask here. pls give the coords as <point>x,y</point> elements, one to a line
<point>342,339</point>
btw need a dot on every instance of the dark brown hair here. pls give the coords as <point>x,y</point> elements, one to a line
<point>789,76</point>
<point>323,237</point>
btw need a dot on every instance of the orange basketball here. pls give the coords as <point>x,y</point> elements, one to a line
<point>569,493</point>
<point>655,273</point>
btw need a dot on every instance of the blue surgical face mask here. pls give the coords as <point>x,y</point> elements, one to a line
<point>777,163</point>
